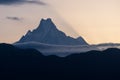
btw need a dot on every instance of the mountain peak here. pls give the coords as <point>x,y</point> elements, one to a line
<point>48,33</point>
<point>46,24</point>
<point>46,20</point>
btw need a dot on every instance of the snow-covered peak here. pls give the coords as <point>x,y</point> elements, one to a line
<point>45,24</point>
<point>48,19</point>
<point>48,33</point>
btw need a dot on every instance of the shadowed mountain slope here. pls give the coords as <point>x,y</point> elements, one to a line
<point>48,33</point>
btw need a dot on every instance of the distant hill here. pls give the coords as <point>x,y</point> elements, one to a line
<point>29,64</point>
<point>48,33</point>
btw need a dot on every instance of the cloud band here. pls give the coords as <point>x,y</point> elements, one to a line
<point>14,2</point>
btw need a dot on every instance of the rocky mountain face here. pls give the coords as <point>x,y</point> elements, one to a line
<point>48,33</point>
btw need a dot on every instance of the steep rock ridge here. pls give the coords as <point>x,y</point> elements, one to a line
<point>48,33</point>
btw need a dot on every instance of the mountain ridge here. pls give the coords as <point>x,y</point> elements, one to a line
<point>48,33</point>
<point>25,64</point>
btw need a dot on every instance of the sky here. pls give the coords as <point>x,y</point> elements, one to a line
<point>97,21</point>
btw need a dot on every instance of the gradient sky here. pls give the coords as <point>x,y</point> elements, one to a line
<point>97,21</point>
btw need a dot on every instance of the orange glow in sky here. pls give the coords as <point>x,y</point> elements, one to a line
<point>98,21</point>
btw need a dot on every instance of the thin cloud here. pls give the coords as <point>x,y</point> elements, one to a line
<point>36,2</point>
<point>14,18</point>
<point>18,2</point>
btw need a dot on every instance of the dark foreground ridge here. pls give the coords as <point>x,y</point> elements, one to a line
<point>29,64</point>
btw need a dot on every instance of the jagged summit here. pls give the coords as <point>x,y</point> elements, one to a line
<point>48,19</point>
<point>48,33</point>
<point>45,24</point>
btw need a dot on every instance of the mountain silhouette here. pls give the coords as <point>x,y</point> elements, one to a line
<point>48,33</point>
<point>29,64</point>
